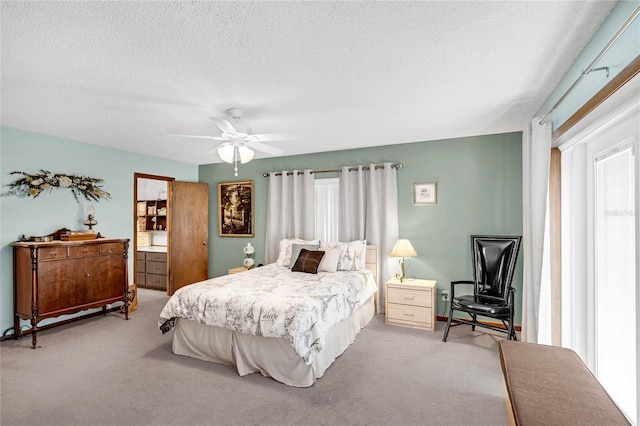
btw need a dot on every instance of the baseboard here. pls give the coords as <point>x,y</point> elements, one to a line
<point>495,324</point>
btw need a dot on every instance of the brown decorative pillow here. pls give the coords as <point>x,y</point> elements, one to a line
<point>308,261</point>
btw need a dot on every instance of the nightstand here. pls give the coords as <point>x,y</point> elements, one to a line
<point>236,270</point>
<point>411,303</point>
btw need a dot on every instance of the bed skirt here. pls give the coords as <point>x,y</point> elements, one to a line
<point>270,356</point>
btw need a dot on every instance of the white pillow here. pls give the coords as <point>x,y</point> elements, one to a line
<point>295,251</point>
<point>360,254</point>
<point>284,256</point>
<point>329,262</point>
<point>352,254</point>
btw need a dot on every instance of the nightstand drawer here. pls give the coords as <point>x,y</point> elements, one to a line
<point>409,297</point>
<point>409,315</point>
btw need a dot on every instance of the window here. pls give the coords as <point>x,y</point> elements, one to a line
<point>327,201</point>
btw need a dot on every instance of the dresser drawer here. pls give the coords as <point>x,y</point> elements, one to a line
<point>409,315</point>
<point>51,253</point>
<point>409,296</point>
<point>141,266</point>
<point>156,268</point>
<point>111,248</point>
<point>140,255</point>
<point>87,250</point>
<point>156,257</point>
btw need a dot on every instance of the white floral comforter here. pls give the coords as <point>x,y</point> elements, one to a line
<point>272,301</point>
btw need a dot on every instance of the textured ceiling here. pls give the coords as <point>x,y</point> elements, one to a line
<point>338,74</point>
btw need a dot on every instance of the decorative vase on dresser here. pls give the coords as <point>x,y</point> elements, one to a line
<point>64,277</point>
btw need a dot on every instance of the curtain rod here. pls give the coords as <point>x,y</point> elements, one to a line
<point>378,166</point>
<point>590,68</point>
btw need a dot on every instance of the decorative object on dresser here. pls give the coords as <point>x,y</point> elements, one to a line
<point>235,209</point>
<point>402,249</point>
<point>411,303</point>
<point>91,219</point>
<point>425,193</point>
<point>64,277</point>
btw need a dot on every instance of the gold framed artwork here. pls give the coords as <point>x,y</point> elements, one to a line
<point>425,193</point>
<point>235,209</point>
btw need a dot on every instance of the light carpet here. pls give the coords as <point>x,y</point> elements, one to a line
<point>108,371</point>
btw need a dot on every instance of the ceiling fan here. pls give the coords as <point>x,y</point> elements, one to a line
<point>240,145</point>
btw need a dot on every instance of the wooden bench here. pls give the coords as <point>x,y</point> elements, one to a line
<point>548,385</point>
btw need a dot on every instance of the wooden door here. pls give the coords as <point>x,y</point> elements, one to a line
<point>188,234</point>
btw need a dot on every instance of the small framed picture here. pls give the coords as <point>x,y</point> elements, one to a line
<point>425,193</point>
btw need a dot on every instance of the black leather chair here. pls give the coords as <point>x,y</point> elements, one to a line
<point>494,261</point>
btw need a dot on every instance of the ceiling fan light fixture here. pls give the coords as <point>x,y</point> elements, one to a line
<point>245,153</point>
<point>226,153</point>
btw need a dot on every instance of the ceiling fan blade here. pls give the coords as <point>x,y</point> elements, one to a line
<point>190,136</point>
<point>224,125</point>
<point>270,137</point>
<point>266,148</point>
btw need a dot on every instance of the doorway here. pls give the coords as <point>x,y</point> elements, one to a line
<point>151,230</point>
<point>171,228</point>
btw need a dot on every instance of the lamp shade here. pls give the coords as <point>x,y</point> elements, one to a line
<point>403,248</point>
<point>246,154</point>
<point>226,153</point>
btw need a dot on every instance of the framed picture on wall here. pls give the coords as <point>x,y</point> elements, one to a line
<point>235,209</point>
<point>425,193</point>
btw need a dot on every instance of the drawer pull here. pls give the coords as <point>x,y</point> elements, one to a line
<point>112,249</point>
<point>88,275</point>
<point>53,254</point>
<point>408,314</point>
<point>85,251</point>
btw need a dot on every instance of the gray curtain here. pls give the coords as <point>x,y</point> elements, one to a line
<point>369,210</point>
<point>291,209</point>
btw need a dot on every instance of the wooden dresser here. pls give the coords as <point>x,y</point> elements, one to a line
<point>63,277</point>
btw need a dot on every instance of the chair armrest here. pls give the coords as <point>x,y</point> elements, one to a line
<point>455,283</point>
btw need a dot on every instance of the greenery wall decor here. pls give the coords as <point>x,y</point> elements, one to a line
<point>32,185</point>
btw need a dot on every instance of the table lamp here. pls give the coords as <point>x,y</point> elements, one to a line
<point>402,249</point>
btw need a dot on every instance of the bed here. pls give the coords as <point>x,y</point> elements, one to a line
<point>287,325</point>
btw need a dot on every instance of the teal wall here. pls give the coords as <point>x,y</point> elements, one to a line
<point>29,152</point>
<point>479,192</point>
<point>621,53</point>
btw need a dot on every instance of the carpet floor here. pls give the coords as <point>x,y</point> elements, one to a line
<point>108,371</point>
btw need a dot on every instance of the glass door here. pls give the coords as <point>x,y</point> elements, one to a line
<point>615,275</point>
